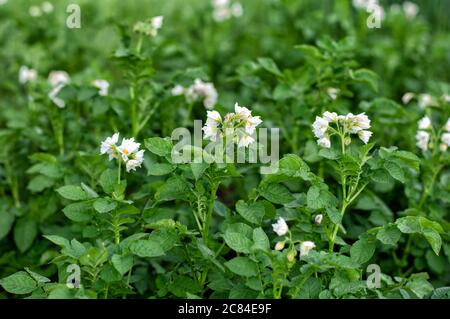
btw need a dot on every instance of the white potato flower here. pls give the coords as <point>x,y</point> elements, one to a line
<point>237,10</point>
<point>305,247</point>
<point>224,10</point>
<point>445,138</point>
<point>330,116</point>
<point>102,86</point>
<point>333,93</point>
<point>56,78</point>
<point>27,75</point>
<point>135,160</point>
<point>422,139</point>
<point>424,123</point>
<point>365,136</point>
<point>425,100</point>
<point>198,90</point>
<point>358,122</point>
<point>127,148</point>
<point>407,97</point>
<point>245,140</point>
<point>109,146</point>
<point>35,11</point>
<point>324,142</point>
<point>318,219</point>
<point>242,112</point>
<point>157,22</point>
<point>447,125</point>
<point>177,90</point>
<point>411,9</point>
<point>320,127</point>
<point>280,227</point>
<point>3,2</point>
<point>211,128</point>
<point>47,7</point>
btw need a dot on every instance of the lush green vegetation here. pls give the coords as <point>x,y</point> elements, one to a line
<point>362,186</point>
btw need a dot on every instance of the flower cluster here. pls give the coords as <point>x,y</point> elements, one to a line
<point>423,100</point>
<point>281,229</point>
<point>198,90</point>
<point>128,151</point>
<point>240,125</point>
<point>27,75</point>
<point>149,27</point>
<point>102,86</point>
<point>344,125</point>
<point>424,134</point>
<point>410,9</point>
<point>224,10</point>
<point>57,79</point>
<point>37,11</point>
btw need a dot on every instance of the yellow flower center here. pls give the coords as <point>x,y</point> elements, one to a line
<point>125,152</point>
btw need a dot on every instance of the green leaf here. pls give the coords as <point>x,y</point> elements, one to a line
<point>103,205</point>
<point>159,169</point>
<point>78,212</point>
<point>260,239</point>
<point>165,237</point>
<point>395,171</point>
<point>367,76</point>
<point>25,232</point>
<point>19,283</point>
<point>429,229</point>
<point>72,192</point>
<point>39,278</point>
<point>122,263</point>
<point>334,215</point>
<point>238,242</point>
<point>183,285</point>
<point>39,183</point>
<point>362,250</point>
<point>276,193</point>
<point>6,221</point>
<point>389,235</point>
<point>242,266</point>
<point>146,248</point>
<point>253,212</point>
<point>419,285</point>
<point>198,169</point>
<point>318,197</point>
<point>174,188</point>
<point>58,240</point>
<point>108,180</point>
<point>269,65</point>
<point>159,146</point>
<point>329,153</point>
<point>441,293</point>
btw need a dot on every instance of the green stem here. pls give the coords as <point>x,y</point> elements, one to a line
<point>139,44</point>
<point>428,189</point>
<point>134,124</point>
<point>207,223</point>
<point>119,170</point>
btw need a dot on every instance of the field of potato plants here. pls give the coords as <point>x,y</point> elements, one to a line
<point>225,149</point>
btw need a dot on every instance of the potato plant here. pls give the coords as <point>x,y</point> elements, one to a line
<point>102,196</point>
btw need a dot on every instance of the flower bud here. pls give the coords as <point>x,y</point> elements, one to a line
<point>291,255</point>
<point>443,147</point>
<point>318,219</point>
<point>279,245</point>
<point>347,140</point>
